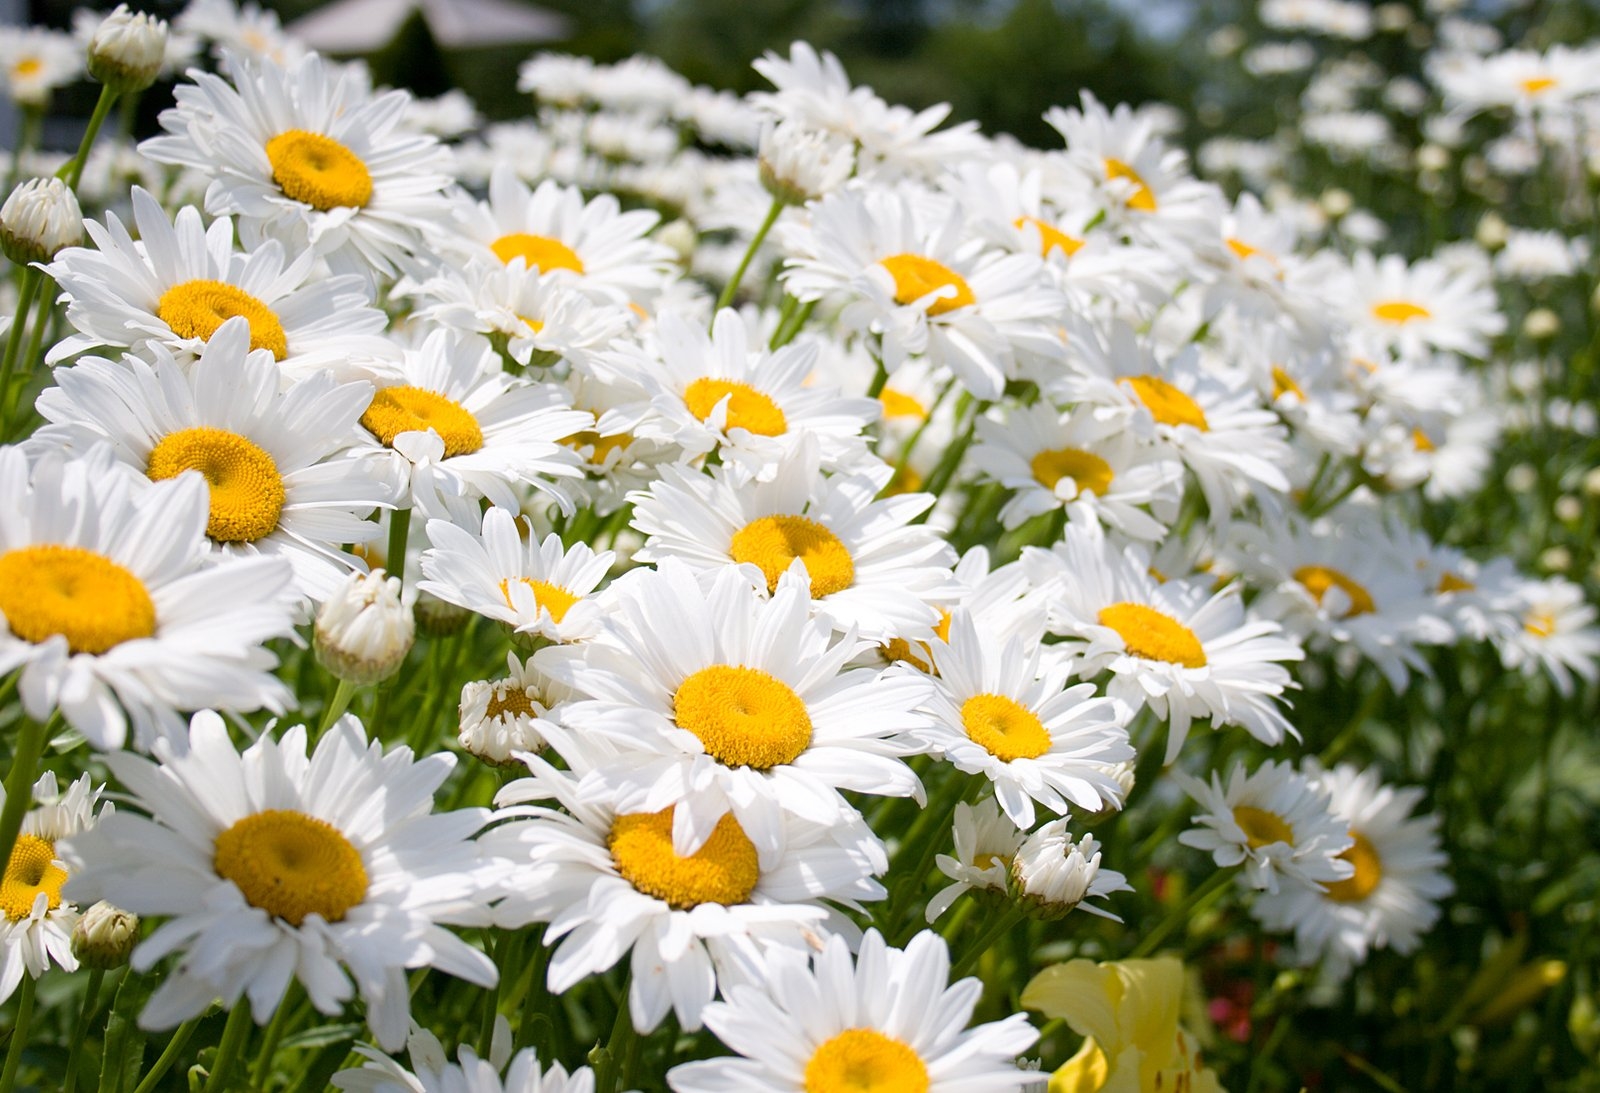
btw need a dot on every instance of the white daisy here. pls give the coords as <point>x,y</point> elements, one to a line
<point>1554,630</point>
<point>430,1072</point>
<point>1417,306</point>
<point>1000,713</point>
<point>884,1020</point>
<point>1056,874</point>
<point>273,864</point>
<point>113,609</point>
<point>34,61</point>
<point>1182,647</point>
<point>304,153</point>
<point>985,841</point>
<point>284,471</point>
<point>504,716</point>
<point>506,573</point>
<point>181,281</point>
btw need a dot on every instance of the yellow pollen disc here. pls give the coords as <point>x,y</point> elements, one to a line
<point>1318,579</point>
<point>1150,634</point>
<point>1369,872</point>
<point>1262,828</point>
<point>901,651</point>
<point>195,309</point>
<point>396,410</point>
<point>1400,312</point>
<point>742,716</point>
<point>725,870</point>
<point>1541,624</point>
<point>773,542</point>
<point>1284,384</point>
<point>247,493</point>
<point>1004,728</point>
<point>534,325</point>
<point>1421,441</point>
<point>1051,237</point>
<point>509,700</point>
<point>1451,582</point>
<point>28,66</point>
<point>1166,403</point>
<point>601,446</point>
<point>538,252</point>
<point>291,865</point>
<point>1091,473</point>
<point>86,598</point>
<point>747,408</point>
<point>905,480</point>
<point>916,276</point>
<point>899,404</point>
<point>988,861</point>
<point>864,1060</point>
<point>1537,85</point>
<point>1244,251</point>
<point>319,171</point>
<point>552,597</point>
<point>32,870</point>
<point>1142,198</point>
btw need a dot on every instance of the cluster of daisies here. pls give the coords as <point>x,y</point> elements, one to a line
<point>846,489</point>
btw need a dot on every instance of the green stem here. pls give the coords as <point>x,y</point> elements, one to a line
<point>1003,924</point>
<point>950,462</point>
<point>81,1029</point>
<point>30,355</point>
<point>19,782</point>
<point>73,170</point>
<point>336,708</point>
<point>880,378</point>
<point>234,1035</point>
<point>399,531</point>
<point>607,1060</point>
<point>31,281</point>
<point>760,237</point>
<point>1181,914</point>
<point>169,1055</point>
<point>19,1033</point>
<point>27,137</point>
<point>503,951</point>
<point>929,832</point>
<point>785,334</point>
<point>271,1038</point>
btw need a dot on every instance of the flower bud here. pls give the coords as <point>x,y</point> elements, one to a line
<point>501,717</point>
<point>1541,324</point>
<point>1492,231</point>
<point>1054,874</point>
<point>104,937</point>
<point>40,218</point>
<point>126,51</point>
<point>436,618</point>
<point>799,164</point>
<point>363,631</point>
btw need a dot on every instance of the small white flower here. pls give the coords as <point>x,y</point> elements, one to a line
<point>127,50</point>
<point>40,218</point>
<point>363,631</point>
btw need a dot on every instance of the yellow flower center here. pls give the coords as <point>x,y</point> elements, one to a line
<point>195,309</point>
<point>1244,251</point>
<point>291,865</point>
<point>725,870</point>
<point>916,276</point>
<point>900,650</point>
<point>32,870</point>
<point>1141,199</point>
<point>86,598</point>
<point>1318,579</point>
<point>247,493</point>
<point>1541,624</point>
<point>28,66</point>
<point>552,597</point>
<point>1262,828</point>
<point>600,447</point>
<point>899,404</point>
<point>864,1060</point>
<point>1051,237</point>
<point>508,700</point>
<point>1150,634</point>
<point>1166,403</point>
<point>1004,727</point>
<point>396,410</point>
<point>1400,312</point>
<point>1537,85</point>
<point>748,408</point>
<point>743,717</point>
<point>1284,384</point>
<point>772,543</point>
<point>1452,582</point>
<point>1088,471</point>
<point>318,170</point>
<point>1369,872</point>
<point>538,252</point>
<point>1420,440</point>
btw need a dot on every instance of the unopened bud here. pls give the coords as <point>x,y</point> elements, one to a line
<point>126,51</point>
<point>363,631</point>
<point>797,164</point>
<point>1336,202</point>
<point>1557,559</point>
<point>1492,231</point>
<point>679,235</point>
<point>1568,509</point>
<point>1541,324</point>
<point>438,619</point>
<point>104,937</point>
<point>40,218</point>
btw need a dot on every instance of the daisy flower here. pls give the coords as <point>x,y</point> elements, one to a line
<point>608,880</point>
<point>868,566</point>
<point>35,61</point>
<point>459,428</point>
<point>304,153</point>
<point>328,867</point>
<point>177,285</point>
<point>37,929</point>
<point>914,278</point>
<point>886,1019</point>
<point>1181,646</point>
<point>1391,897</point>
<point>1554,630</point>
<point>997,712</point>
<point>985,841</point>
<point>722,699</point>
<point>552,228</point>
<point>284,473</point>
<point>1411,308</point>
<point>115,611</point>
<point>506,573</point>
<point>1275,822</point>
<point>430,1072</point>
<point>504,716</point>
<point>1056,874</point>
<point>1092,465</point>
